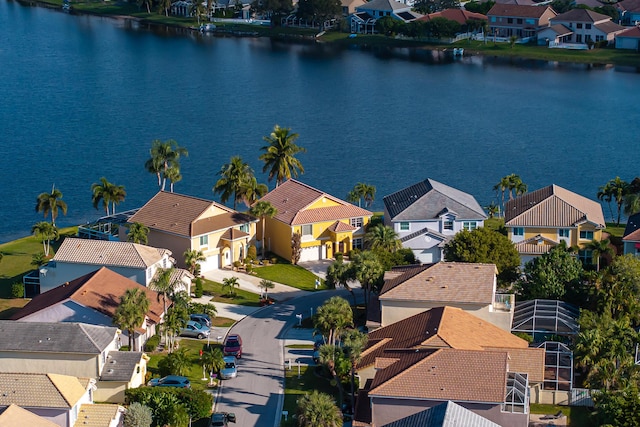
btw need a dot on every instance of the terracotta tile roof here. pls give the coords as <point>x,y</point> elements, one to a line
<point>525,360</point>
<point>340,227</point>
<point>518,11</point>
<point>630,32</point>
<point>233,234</point>
<point>536,245</point>
<point>439,327</point>
<point>108,253</point>
<point>292,198</point>
<point>629,5</point>
<point>98,415</point>
<point>220,222</point>
<point>459,15</point>
<point>581,15</point>
<point>609,27</point>
<point>440,376</point>
<point>445,282</point>
<point>173,213</point>
<point>552,206</point>
<point>100,290</point>
<point>16,416</point>
<point>40,390</point>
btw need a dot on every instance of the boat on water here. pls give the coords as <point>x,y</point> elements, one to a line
<point>458,51</point>
<point>66,6</point>
<point>207,28</point>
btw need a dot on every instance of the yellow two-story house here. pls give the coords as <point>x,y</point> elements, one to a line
<point>327,225</point>
<point>179,223</point>
<point>539,220</point>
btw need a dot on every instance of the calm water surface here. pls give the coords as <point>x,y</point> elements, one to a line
<point>83,97</point>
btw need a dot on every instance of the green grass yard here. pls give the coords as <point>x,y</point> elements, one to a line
<point>296,387</point>
<point>578,416</point>
<point>289,274</point>
<point>219,294</point>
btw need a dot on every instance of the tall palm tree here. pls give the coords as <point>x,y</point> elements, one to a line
<point>318,410</point>
<point>263,210</point>
<point>279,155</point>
<point>164,155</point>
<point>354,343</point>
<point>362,191</point>
<point>333,317</point>
<point>109,194</point>
<point>163,285</point>
<point>266,285</point>
<point>232,177</point>
<point>492,210</point>
<point>631,204</point>
<point>382,237</point>
<point>173,175</point>
<point>192,258</point>
<point>618,189</point>
<point>501,188</point>
<point>213,360</point>
<point>50,203</point>
<point>131,312</point>
<point>46,232</point>
<point>598,249</point>
<point>604,194</point>
<point>138,233</point>
<point>367,270</point>
<point>251,191</point>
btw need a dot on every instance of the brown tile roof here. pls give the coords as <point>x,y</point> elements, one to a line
<point>525,360</point>
<point>16,416</point>
<point>100,290</point>
<point>629,5</point>
<point>630,32</point>
<point>362,414</point>
<point>446,374</point>
<point>439,327</point>
<point>445,282</point>
<point>233,234</point>
<point>459,15</point>
<point>536,245</point>
<point>97,415</point>
<point>292,198</point>
<point>108,253</point>
<point>173,213</point>
<point>518,11</point>
<point>40,390</point>
<point>220,222</point>
<point>340,227</point>
<point>552,206</point>
<point>609,27</point>
<point>581,15</point>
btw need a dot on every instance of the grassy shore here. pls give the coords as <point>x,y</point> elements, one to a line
<point>132,11</point>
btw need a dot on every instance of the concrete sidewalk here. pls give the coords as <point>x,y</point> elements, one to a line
<point>251,283</point>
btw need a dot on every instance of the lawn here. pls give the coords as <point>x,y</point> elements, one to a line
<point>219,294</point>
<point>295,387</point>
<point>289,274</point>
<point>576,415</point>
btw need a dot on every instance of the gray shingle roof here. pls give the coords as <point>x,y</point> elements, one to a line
<point>55,337</point>
<point>427,199</point>
<point>120,365</point>
<point>385,5</point>
<point>447,414</point>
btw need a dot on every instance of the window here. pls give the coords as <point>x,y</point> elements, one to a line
<point>586,257</point>
<point>530,21</point>
<point>356,222</point>
<point>564,232</point>
<point>587,26</point>
<point>404,226</point>
<point>245,228</point>
<point>493,19</point>
<point>599,38</point>
<point>448,224</point>
<point>469,225</point>
<point>578,38</point>
<point>518,231</point>
<point>509,20</point>
<point>519,21</point>
<point>357,243</point>
<point>204,240</point>
<point>579,25</point>
<point>307,230</point>
<point>148,273</point>
<point>586,235</point>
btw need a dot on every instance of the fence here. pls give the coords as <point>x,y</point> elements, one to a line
<point>581,397</point>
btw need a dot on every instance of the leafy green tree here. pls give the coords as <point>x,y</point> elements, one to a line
<point>479,7</point>
<point>431,6</point>
<point>339,273</point>
<point>46,232</point>
<point>17,290</point>
<point>196,307</point>
<point>599,248</point>
<point>631,204</point>
<point>193,257</point>
<point>146,3</point>
<point>483,245</point>
<point>175,319</point>
<point>138,233</point>
<point>176,363</point>
<point>164,155</point>
<point>296,248</point>
<point>619,292</point>
<point>198,10</point>
<point>51,203</point>
<point>387,26</point>
<point>442,27</point>
<point>319,10</point>
<point>232,177</point>
<point>317,409</point>
<point>138,415</point>
<point>107,193</point>
<point>382,237</point>
<point>230,283</point>
<point>493,210</point>
<point>131,312</point>
<point>263,210</point>
<point>279,155</point>
<point>562,6</point>
<point>164,6</point>
<point>273,8</point>
<point>362,191</point>
<point>332,357</point>
<point>619,408</point>
<point>404,256</point>
<point>332,318</point>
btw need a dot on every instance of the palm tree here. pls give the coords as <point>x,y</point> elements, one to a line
<point>598,249</point>
<point>231,283</point>
<point>46,232</point>
<point>501,188</point>
<point>263,210</point>
<point>339,273</point>
<point>367,270</point>
<point>232,177</point>
<point>197,9</point>
<point>251,191</point>
<point>138,233</point>
<point>382,237</point>
<point>163,285</point>
<point>631,204</point>
<point>515,185</point>
<point>50,203</point>
<point>618,189</point>
<point>492,210</point>
<point>604,194</point>
<point>131,312</point>
<point>108,194</point>
<point>266,285</point>
<point>164,155</point>
<point>362,191</point>
<point>213,360</point>
<point>192,258</point>
<point>354,343</point>
<point>173,175</point>
<point>332,317</point>
<point>330,356</point>
<point>279,155</point>
<point>318,410</point>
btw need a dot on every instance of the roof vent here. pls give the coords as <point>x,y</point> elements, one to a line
<point>443,287</point>
<point>176,205</point>
<point>113,362</point>
<point>110,371</point>
<point>48,338</point>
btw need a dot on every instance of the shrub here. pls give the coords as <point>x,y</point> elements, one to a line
<point>252,253</point>
<point>152,343</point>
<point>236,264</point>
<point>199,291</point>
<point>528,338</point>
<point>138,415</point>
<point>124,348</point>
<point>248,267</point>
<point>195,403</point>
<point>274,260</point>
<point>17,290</point>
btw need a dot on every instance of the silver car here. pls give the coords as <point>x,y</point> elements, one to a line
<point>230,369</point>
<point>195,330</point>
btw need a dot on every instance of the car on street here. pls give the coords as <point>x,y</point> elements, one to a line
<point>230,369</point>
<point>232,346</point>
<point>171,381</point>
<point>222,419</point>
<point>203,319</point>
<point>195,330</point>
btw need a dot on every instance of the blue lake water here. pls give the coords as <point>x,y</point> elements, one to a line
<point>82,97</point>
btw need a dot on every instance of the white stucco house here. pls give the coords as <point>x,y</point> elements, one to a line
<point>427,214</point>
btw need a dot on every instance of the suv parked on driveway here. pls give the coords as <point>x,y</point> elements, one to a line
<point>194,330</point>
<point>232,346</point>
<point>203,319</point>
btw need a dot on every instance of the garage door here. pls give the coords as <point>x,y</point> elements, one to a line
<point>211,263</point>
<point>310,254</point>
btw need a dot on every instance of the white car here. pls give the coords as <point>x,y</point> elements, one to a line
<point>230,369</point>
